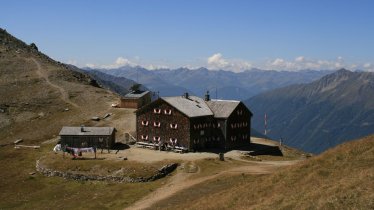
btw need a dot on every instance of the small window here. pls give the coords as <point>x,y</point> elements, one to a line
<point>157,138</point>
<point>157,111</point>
<point>201,132</point>
<point>173,126</point>
<point>167,111</point>
<point>173,141</point>
<point>145,123</point>
<point>144,137</point>
<point>218,125</point>
<point>157,124</point>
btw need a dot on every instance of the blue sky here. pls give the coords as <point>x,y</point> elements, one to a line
<point>232,35</point>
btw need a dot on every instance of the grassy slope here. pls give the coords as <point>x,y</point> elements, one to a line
<point>34,111</point>
<point>20,190</point>
<point>31,104</point>
<point>341,178</point>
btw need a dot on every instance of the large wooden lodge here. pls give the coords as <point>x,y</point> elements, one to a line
<point>194,123</point>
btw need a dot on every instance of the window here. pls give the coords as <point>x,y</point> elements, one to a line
<point>157,111</point>
<point>157,124</point>
<point>157,138</point>
<point>145,123</point>
<point>218,125</point>
<point>201,132</point>
<point>195,127</point>
<point>167,111</point>
<point>233,138</point>
<point>144,137</point>
<point>173,141</point>
<point>173,126</point>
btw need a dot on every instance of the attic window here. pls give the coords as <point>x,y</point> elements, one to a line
<point>167,111</point>
<point>157,111</point>
<point>157,124</point>
<point>144,137</point>
<point>240,112</point>
<point>145,123</point>
<point>173,126</point>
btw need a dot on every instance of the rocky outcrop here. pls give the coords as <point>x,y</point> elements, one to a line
<point>162,172</point>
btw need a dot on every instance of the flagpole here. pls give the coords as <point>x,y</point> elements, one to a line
<point>265,124</point>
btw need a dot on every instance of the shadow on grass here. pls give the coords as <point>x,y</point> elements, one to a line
<point>253,149</point>
<point>120,146</point>
<point>84,158</point>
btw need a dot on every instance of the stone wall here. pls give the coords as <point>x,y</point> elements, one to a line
<point>162,172</point>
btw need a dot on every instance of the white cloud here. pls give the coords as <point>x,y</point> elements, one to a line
<point>300,59</point>
<point>217,62</point>
<point>90,65</point>
<point>301,62</point>
<point>72,62</point>
<point>368,65</point>
<point>119,62</point>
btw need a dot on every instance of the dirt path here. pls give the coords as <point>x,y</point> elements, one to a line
<point>181,181</point>
<point>44,75</point>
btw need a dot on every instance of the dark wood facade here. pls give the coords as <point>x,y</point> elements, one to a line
<point>74,137</point>
<point>236,128</point>
<point>135,101</point>
<point>161,121</point>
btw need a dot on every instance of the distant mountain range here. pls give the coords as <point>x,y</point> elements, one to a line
<point>221,84</point>
<point>319,115</point>
<point>119,85</point>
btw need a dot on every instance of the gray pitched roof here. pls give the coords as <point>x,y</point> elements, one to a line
<point>88,131</point>
<point>222,108</point>
<point>192,106</point>
<point>136,95</point>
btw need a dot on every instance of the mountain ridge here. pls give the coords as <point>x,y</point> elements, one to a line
<point>221,83</point>
<point>35,90</point>
<point>320,114</point>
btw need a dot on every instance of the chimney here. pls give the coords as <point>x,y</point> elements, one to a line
<point>207,96</point>
<point>82,128</point>
<point>186,95</point>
